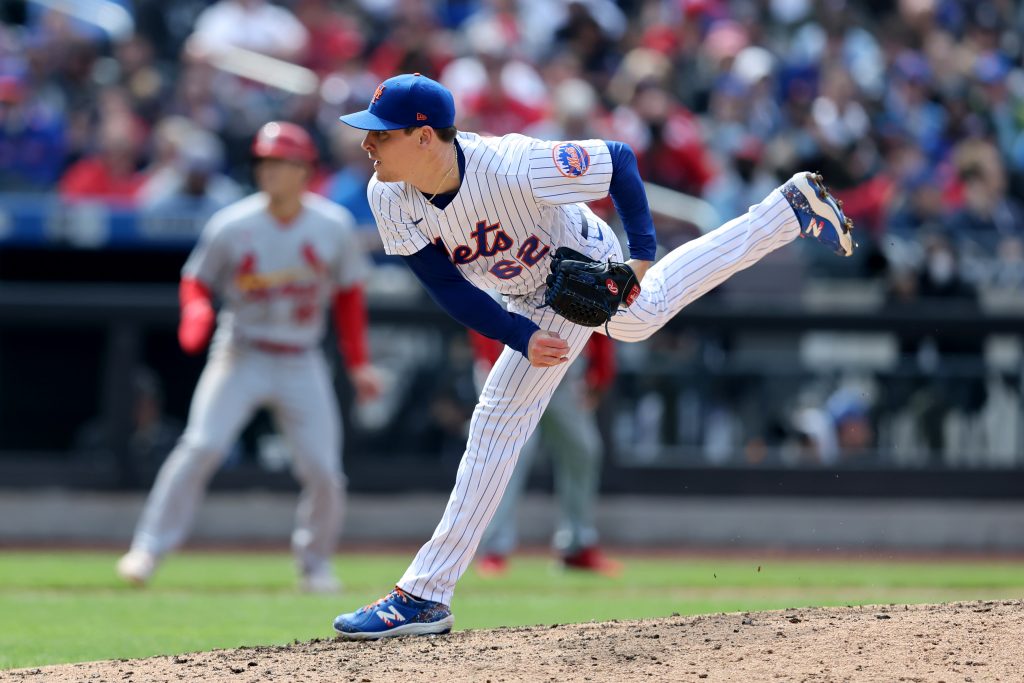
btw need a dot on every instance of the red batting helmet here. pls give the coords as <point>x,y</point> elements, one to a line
<point>283,140</point>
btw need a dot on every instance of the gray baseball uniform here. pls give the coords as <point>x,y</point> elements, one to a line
<point>275,283</point>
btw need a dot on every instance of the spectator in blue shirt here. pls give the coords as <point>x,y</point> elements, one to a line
<point>31,139</point>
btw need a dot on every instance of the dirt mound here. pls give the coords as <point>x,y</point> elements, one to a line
<point>976,641</point>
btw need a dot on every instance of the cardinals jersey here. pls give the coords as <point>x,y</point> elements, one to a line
<point>275,280</point>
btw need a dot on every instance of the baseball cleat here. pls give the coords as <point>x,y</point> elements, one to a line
<point>136,567</point>
<point>396,614</point>
<point>820,214</point>
<point>592,559</point>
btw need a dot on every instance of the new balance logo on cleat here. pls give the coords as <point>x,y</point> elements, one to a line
<point>396,614</point>
<point>819,213</point>
<point>391,614</point>
<point>814,227</point>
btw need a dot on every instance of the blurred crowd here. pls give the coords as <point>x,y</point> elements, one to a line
<point>913,110</point>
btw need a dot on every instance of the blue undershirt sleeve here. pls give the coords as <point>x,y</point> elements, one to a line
<point>466,303</point>
<point>627,192</point>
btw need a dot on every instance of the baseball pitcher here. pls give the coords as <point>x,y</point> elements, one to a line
<point>469,214</point>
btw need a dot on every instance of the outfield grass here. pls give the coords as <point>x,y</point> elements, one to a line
<point>67,607</point>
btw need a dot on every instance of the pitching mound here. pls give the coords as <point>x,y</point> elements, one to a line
<point>977,641</point>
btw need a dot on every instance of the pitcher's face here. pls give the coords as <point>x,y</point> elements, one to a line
<point>394,153</point>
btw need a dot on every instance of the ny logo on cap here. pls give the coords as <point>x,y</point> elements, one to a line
<point>377,93</point>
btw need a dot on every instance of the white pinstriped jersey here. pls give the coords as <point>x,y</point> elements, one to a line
<point>520,199</point>
<point>276,280</point>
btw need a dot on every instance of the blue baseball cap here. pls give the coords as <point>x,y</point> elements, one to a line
<point>405,101</point>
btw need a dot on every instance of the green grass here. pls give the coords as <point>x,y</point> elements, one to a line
<point>67,607</point>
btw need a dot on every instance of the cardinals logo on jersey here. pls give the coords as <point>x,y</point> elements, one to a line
<point>312,258</point>
<point>571,159</point>
<point>300,280</point>
<point>247,279</point>
<point>247,264</point>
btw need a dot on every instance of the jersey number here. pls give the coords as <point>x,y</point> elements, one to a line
<point>530,252</point>
<point>304,312</point>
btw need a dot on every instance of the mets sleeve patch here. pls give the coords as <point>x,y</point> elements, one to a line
<point>571,160</point>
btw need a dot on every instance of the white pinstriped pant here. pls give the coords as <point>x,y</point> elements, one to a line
<point>516,393</point>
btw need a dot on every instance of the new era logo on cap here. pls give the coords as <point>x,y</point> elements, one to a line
<point>406,101</point>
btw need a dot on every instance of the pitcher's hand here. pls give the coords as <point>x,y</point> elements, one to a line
<point>546,349</point>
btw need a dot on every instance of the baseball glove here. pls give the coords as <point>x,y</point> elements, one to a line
<point>588,292</point>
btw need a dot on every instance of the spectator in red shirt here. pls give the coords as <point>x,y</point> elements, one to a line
<point>674,155</point>
<point>334,38</point>
<point>112,173</point>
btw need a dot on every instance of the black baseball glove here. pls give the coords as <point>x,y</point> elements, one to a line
<point>588,292</point>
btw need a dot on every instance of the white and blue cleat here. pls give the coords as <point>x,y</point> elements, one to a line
<point>396,614</point>
<point>820,214</point>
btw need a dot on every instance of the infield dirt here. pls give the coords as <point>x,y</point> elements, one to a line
<point>968,641</point>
